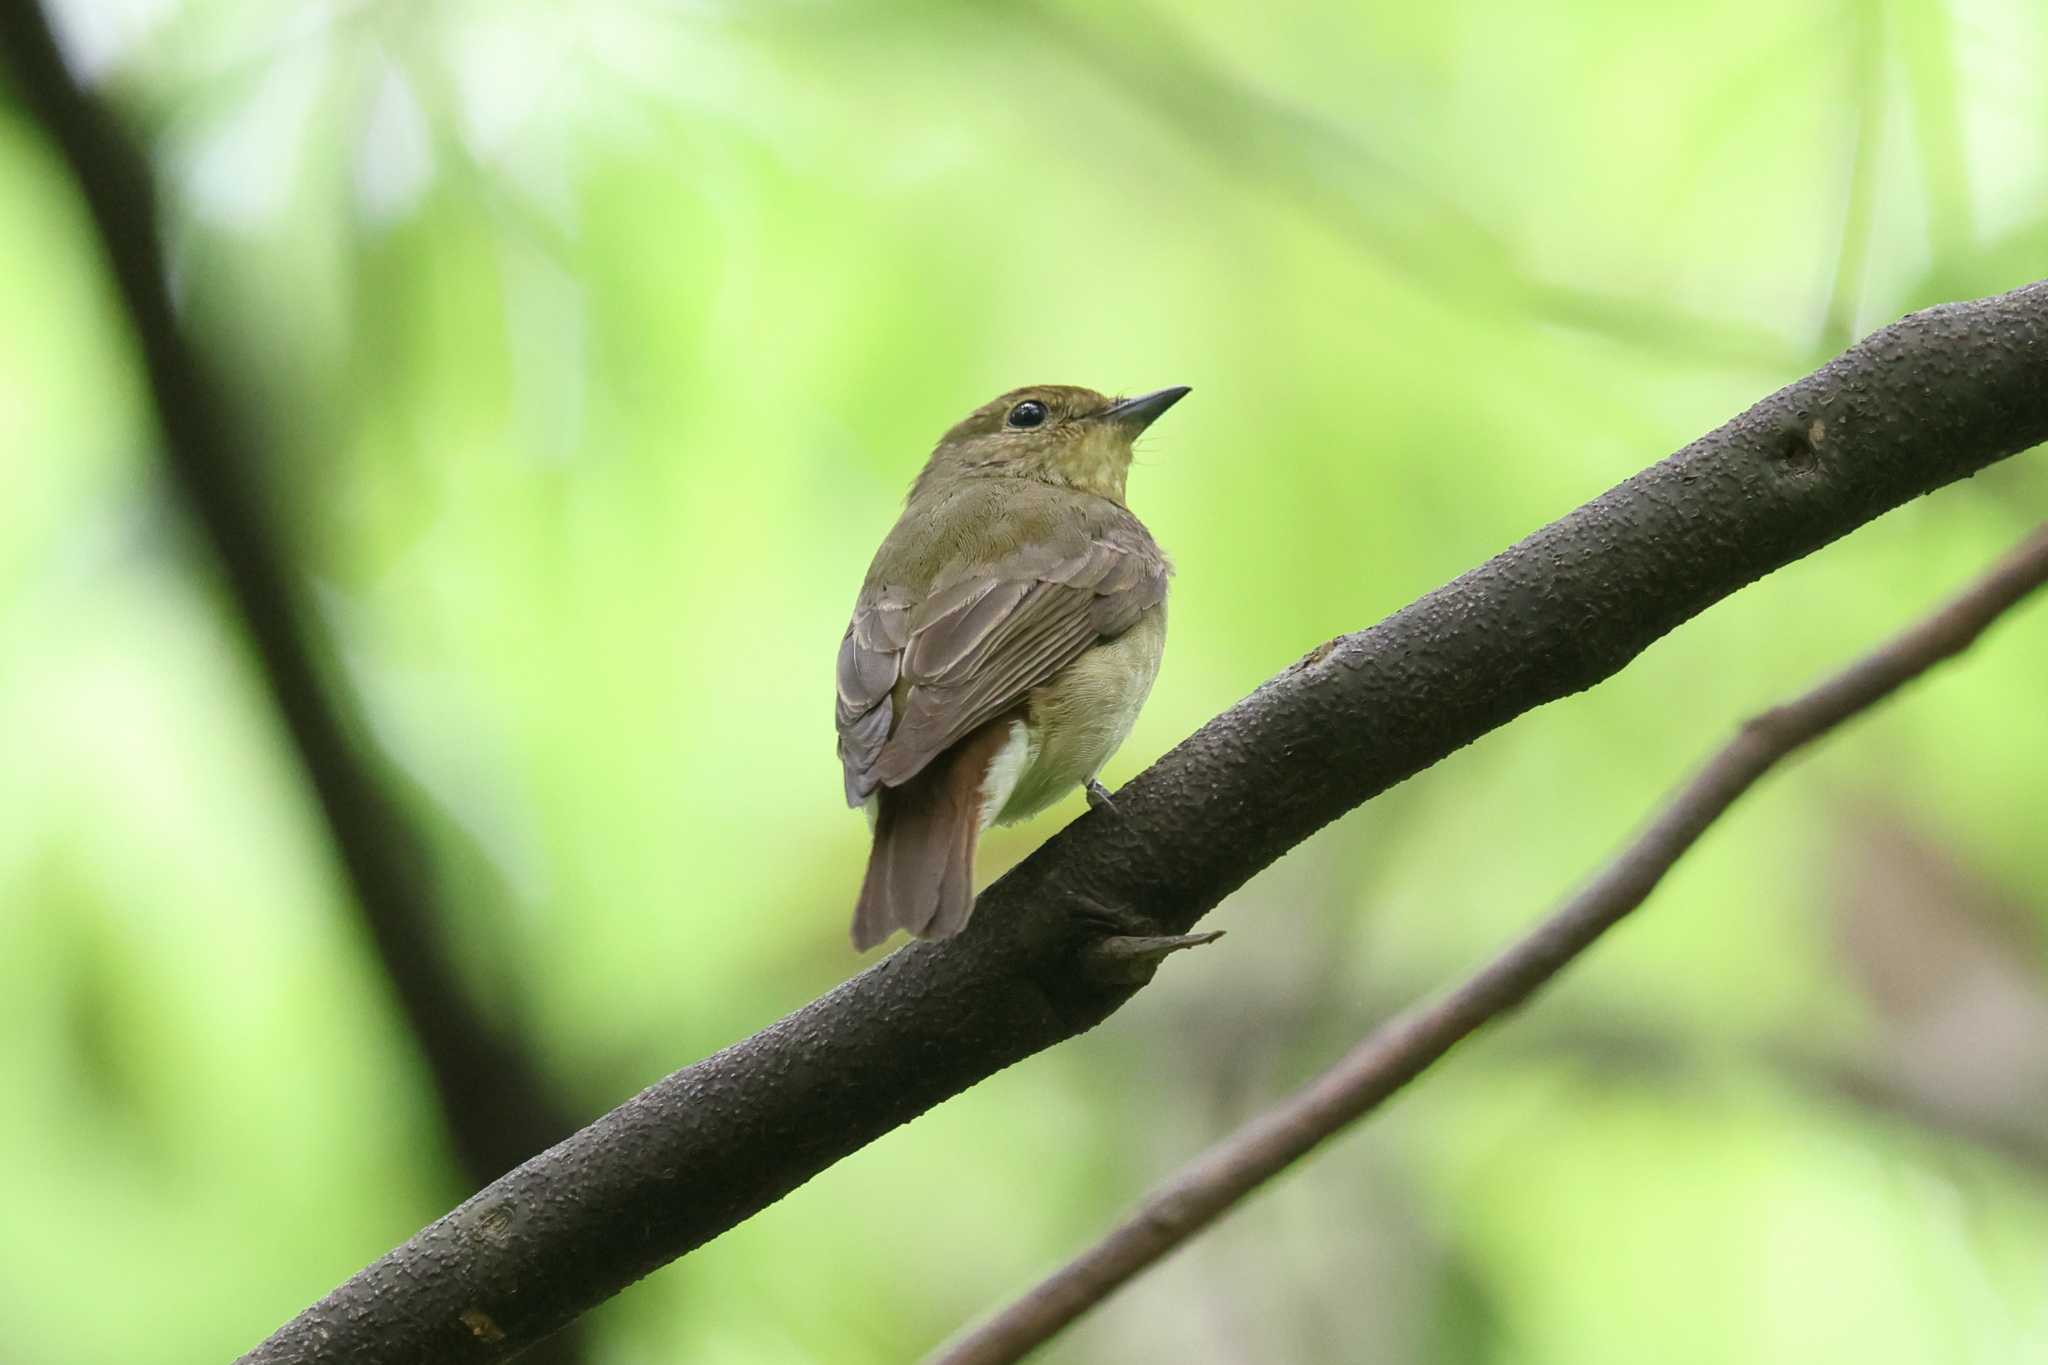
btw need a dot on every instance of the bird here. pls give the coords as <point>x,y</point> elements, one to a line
<point>1008,631</point>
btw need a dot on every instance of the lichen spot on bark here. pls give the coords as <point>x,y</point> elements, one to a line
<point>481,1325</point>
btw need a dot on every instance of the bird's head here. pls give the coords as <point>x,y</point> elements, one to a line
<point>1054,433</point>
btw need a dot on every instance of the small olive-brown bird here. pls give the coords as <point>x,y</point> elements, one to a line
<point>1009,629</point>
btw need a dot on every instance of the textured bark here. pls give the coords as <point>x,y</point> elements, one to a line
<point>1928,400</point>
<point>1402,1048</point>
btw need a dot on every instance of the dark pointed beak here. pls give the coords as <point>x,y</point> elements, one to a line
<point>1142,411</point>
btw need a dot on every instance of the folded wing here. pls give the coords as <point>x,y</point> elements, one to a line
<point>916,676</point>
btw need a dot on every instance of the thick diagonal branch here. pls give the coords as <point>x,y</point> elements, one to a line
<point>1926,401</point>
<point>1401,1049</point>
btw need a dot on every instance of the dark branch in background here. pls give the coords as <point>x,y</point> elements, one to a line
<point>1401,1049</point>
<point>1615,1052</point>
<point>2018,1137</point>
<point>1926,401</point>
<point>1637,1052</point>
<point>491,1091</point>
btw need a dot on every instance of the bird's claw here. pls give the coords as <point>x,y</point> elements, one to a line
<point>1100,921</point>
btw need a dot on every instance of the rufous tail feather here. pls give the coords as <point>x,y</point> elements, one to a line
<point>920,875</point>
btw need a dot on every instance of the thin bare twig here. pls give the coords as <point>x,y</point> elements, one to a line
<point>1922,403</point>
<point>1928,400</point>
<point>1409,1043</point>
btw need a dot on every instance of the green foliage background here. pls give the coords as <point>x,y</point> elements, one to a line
<point>591,348</point>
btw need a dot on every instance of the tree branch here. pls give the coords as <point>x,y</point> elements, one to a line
<point>1401,1049</point>
<point>2014,1131</point>
<point>497,1103</point>
<point>1928,400</point>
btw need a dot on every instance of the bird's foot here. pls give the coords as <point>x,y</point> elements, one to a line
<point>1100,799</point>
<point>1116,952</point>
<point>1099,921</point>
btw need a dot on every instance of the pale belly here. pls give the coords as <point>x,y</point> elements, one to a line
<point>1074,723</point>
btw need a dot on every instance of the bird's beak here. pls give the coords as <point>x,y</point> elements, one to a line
<point>1135,414</point>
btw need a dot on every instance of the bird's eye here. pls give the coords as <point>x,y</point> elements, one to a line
<point>1029,413</point>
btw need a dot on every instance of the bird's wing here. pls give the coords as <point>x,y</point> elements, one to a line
<point>915,676</point>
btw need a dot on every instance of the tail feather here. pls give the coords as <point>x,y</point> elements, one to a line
<point>920,874</point>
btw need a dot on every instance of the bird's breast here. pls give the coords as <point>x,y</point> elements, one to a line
<point>1073,722</point>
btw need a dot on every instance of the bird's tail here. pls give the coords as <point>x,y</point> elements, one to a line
<point>920,875</point>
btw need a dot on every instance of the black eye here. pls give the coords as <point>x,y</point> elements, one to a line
<point>1029,413</point>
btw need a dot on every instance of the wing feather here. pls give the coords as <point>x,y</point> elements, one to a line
<point>916,676</point>
<point>949,642</point>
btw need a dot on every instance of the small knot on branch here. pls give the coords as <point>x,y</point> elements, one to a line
<point>482,1325</point>
<point>1794,448</point>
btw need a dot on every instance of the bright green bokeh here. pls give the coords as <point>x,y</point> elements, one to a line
<point>592,348</point>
